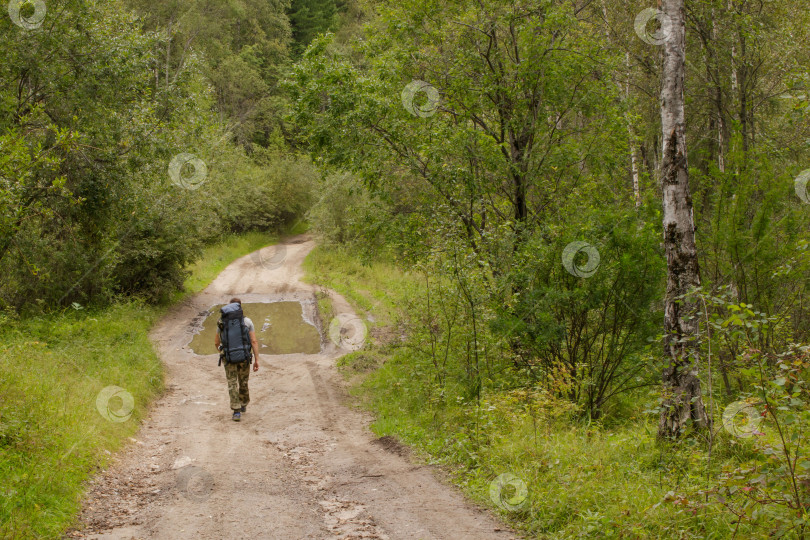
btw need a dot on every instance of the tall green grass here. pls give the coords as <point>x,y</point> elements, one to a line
<point>54,433</point>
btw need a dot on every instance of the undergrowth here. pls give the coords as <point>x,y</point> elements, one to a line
<point>582,478</point>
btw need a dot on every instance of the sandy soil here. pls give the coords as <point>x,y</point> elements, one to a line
<point>300,464</point>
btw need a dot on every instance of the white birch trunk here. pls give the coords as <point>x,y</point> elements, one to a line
<point>682,399</point>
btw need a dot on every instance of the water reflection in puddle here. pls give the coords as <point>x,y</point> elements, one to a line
<point>280,329</point>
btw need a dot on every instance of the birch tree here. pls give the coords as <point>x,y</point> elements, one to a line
<point>682,399</point>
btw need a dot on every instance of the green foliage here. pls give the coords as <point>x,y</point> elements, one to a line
<point>87,103</point>
<point>586,338</point>
<point>461,190</point>
<point>769,489</point>
<point>362,284</point>
<point>519,155</point>
<point>544,130</point>
<point>94,111</point>
<point>758,233</point>
<point>345,213</point>
<point>269,195</point>
<point>309,18</point>
<point>766,487</point>
<point>244,50</point>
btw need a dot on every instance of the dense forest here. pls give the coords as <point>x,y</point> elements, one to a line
<point>593,217</point>
<point>98,100</point>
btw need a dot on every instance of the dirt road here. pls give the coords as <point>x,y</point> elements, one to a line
<point>300,464</point>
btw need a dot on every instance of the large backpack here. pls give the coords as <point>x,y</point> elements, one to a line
<point>234,335</point>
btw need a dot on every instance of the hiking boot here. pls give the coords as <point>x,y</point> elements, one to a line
<point>243,409</point>
<point>237,416</point>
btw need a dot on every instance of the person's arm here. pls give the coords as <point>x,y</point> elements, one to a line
<point>254,344</point>
<point>217,341</point>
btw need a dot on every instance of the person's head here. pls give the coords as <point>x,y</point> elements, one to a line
<point>236,301</point>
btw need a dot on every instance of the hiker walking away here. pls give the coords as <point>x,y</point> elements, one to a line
<point>236,341</point>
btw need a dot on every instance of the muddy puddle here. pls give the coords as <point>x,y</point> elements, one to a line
<point>281,328</point>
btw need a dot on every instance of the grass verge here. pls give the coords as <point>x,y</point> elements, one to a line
<point>73,386</point>
<point>367,287</point>
<point>53,432</point>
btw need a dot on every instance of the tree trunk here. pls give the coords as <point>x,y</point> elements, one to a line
<point>168,51</point>
<point>682,399</point>
<point>633,160</point>
<point>718,100</point>
<point>634,171</point>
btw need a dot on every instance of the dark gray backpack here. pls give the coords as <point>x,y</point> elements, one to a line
<point>234,335</point>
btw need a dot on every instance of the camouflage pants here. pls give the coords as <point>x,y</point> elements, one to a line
<point>237,375</point>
